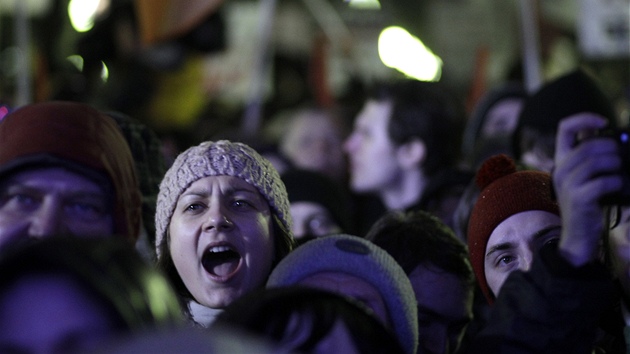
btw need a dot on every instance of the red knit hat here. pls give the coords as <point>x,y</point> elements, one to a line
<point>504,192</point>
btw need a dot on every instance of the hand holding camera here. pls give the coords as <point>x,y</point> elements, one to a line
<point>587,173</point>
<point>622,138</point>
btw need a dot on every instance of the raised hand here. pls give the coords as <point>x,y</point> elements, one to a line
<point>586,169</point>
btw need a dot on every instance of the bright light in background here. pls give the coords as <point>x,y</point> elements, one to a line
<point>364,4</point>
<point>77,61</point>
<point>83,12</point>
<point>406,53</point>
<point>104,72</point>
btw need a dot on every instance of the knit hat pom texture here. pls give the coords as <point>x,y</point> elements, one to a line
<point>493,169</point>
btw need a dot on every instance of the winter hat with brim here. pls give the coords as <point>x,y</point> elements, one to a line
<point>363,259</point>
<point>567,95</point>
<point>505,191</point>
<point>79,138</point>
<point>221,158</point>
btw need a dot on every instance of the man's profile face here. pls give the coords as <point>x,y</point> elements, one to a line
<point>371,153</point>
<point>41,202</point>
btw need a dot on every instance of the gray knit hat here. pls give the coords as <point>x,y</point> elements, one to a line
<point>221,158</point>
<point>361,258</point>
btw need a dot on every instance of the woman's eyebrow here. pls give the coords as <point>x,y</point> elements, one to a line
<point>204,192</point>
<point>196,192</point>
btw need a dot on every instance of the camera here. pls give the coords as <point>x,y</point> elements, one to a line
<point>622,137</point>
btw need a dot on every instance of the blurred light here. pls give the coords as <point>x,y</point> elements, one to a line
<point>104,72</point>
<point>156,286</point>
<point>364,4</point>
<point>4,110</point>
<point>77,61</point>
<point>83,12</point>
<point>406,53</point>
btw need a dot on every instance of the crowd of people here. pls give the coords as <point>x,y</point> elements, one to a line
<point>382,238</point>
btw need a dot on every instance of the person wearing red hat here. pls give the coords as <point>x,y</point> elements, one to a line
<point>514,216</point>
<point>65,168</point>
<point>558,295</point>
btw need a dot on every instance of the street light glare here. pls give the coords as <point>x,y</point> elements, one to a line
<point>406,53</point>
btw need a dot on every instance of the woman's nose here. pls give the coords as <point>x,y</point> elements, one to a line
<point>218,219</point>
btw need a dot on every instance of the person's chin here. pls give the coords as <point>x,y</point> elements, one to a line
<point>220,298</point>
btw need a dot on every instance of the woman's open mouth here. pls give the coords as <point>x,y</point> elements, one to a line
<point>221,261</point>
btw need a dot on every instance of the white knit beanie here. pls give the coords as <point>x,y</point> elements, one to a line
<point>221,158</point>
<point>363,259</point>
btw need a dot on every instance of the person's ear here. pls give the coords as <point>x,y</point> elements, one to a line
<point>411,154</point>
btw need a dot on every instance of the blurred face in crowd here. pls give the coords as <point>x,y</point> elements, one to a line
<point>444,309</point>
<point>371,153</point>
<point>221,239</point>
<point>312,219</point>
<point>314,142</point>
<point>538,159</point>
<point>42,202</point>
<point>514,242</point>
<point>52,314</point>
<point>620,246</point>
<point>502,117</point>
<point>352,286</point>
